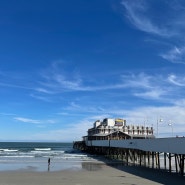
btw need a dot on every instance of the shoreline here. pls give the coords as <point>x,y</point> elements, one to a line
<point>93,172</point>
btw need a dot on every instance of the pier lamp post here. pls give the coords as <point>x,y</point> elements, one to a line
<point>145,122</point>
<point>158,121</point>
<point>171,125</point>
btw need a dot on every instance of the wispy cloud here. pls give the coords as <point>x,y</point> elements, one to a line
<point>166,22</point>
<point>42,98</point>
<point>54,82</point>
<point>15,86</point>
<point>43,90</point>
<point>7,114</point>
<point>27,120</point>
<point>177,80</point>
<point>72,132</point>
<point>79,108</point>
<point>175,55</point>
<point>55,79</point>
<point>137,13</point>
<point>34,121</point>
<point>152,94</point>
<point>140,80</point>
<point>143,85</point>
<point>146,86</point>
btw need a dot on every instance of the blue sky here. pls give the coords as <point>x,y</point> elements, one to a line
<point>65,64</point>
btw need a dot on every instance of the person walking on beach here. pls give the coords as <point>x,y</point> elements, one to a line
<point>49,163</point>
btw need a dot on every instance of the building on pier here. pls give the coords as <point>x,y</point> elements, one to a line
<point>117,129</point>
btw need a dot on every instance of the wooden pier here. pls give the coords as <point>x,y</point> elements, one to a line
<point>162,153</point>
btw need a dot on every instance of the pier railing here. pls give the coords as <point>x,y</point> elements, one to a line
<point>168,145</point>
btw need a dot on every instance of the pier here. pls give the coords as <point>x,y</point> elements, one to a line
<point>158,153</point>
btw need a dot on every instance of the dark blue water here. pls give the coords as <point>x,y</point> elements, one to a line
<point>34,149</point>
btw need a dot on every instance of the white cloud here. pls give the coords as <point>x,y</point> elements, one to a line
<point>165,23</point>
<point>7,114</point>
<point>143,85</point>
<point>140,80</point>
<point>73,84</point>
<point>15,86</point>
<point>78,108</point>
<point>175,55</point>
<point>43,98</point>
<point>153,94</point>
<point>42,90</point>
<point>55,80</point>
<point>34,121</point>
<point>178,81</point>
<point>73,132</point>
<point>147,86</point>
<point>27,120</point>
<point>137,14</point>
<point>180,103</point>
<point>149,115</point>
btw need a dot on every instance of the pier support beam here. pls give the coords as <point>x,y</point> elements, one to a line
<point>182,165</point>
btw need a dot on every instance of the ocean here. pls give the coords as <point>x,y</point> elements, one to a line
<point>34,156</point>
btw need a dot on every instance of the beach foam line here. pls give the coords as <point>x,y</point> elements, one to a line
<point>8,150</point>
<point>42,149</point>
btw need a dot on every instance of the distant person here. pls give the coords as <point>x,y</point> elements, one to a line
<point>49,160</point>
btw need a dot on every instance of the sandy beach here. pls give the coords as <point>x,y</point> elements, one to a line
<point>92,174</point>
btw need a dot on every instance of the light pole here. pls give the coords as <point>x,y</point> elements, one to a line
<point>158,120</point>
<point>145,122</point>
<point>171,124</point>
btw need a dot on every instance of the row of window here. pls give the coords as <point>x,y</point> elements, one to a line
<point>138,132</point>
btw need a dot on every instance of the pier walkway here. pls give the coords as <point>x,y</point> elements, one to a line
<point>160,153</point>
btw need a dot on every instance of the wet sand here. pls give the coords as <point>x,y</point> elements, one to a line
<point>92,174</point>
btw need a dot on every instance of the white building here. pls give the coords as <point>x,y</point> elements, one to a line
<point>117,129</point>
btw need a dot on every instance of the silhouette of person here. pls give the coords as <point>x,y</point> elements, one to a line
<point>49,160</point>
